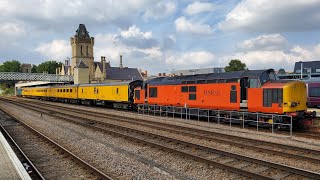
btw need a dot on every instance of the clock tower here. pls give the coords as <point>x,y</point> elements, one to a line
<point>82,49</point>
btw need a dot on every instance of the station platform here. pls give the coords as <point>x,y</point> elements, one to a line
<point>10,166</point>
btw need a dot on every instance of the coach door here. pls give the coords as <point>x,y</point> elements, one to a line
<point>244,87</point>
<point>96,93</point>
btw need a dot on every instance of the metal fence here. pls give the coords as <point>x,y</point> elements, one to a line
<point>220,116</point>
<point>16,76</point>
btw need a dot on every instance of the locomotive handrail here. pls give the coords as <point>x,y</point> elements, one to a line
<point>145,109</point>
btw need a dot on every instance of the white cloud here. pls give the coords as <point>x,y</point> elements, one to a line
<point>184,25</point>
<point>273,16</point>
<point>161,10</point>
<point>136,38</point>
<point>264,42</point>
<point>119,13</point>
<point>262,59</point>
<point>190,59</point>
<point>133,56</point>
<point>11,29</point>
<point>133,31</point>
<point>199,7</point>
<point>55,50</point>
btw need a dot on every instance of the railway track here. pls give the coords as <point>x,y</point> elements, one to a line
<point>258,145</point>
<point>52,160</point>
<point>26,162</point>
<point>236,163</point>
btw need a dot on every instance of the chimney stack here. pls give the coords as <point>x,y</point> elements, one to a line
<point>104,70</point>
<point>121,62</point>
<point>102,59</point>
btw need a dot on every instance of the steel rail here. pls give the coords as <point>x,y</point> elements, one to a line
<point>73,156</point>
<point>209,149</point>
<point>35,173</point>
<point>198,133</point>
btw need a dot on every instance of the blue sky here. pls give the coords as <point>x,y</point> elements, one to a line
<point>159,36</point>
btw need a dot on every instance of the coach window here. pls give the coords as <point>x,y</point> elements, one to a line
<point>70,90</point>
<point>117,90</point>
<point>314,91</point>
<point>137,94</point>
<point>192,96</point>
<point>82,90</point>
<point>153,92</point>
<point>64,90</point>
<point>184,88</point>
<point>192,89</point>
<point>97,90</point>
<point>67,90</point>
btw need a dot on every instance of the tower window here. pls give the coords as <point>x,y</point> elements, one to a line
<point>81,50</point>
<point>87,51</point>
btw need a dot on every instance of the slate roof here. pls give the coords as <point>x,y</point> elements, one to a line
<point>99,64</point>
<point>82,32</point>
<point>116,73</point>
<point>81,64</point>
<point>307,64</point>
<point>210,76</point>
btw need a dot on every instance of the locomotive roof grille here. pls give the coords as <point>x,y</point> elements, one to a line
<point>210,76</point>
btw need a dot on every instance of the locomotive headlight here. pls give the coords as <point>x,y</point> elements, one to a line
<point>293,104</point>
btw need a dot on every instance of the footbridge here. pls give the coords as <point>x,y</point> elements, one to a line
<point>16,76</point>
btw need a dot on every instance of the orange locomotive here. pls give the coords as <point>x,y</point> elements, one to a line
<point>252,91</point>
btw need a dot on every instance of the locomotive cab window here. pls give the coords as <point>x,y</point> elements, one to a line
<point>153,92</point>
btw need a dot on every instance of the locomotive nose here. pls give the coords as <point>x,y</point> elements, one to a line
<point>295,96</point>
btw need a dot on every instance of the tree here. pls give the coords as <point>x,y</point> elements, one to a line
<point>11,66</point>
<point>49,67</point>
<point>34,68</point>
<point>235,65</point>
<point>281,71</point>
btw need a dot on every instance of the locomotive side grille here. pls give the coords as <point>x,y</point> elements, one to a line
<point>272,96</point>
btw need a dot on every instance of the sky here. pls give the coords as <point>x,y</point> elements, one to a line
<point>161,36</point>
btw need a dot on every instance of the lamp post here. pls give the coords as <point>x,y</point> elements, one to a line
<point>301,68</point>
<point>308,69</point>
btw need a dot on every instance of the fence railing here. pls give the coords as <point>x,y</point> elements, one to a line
<point>220,116</point>
<point>16,76</point>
